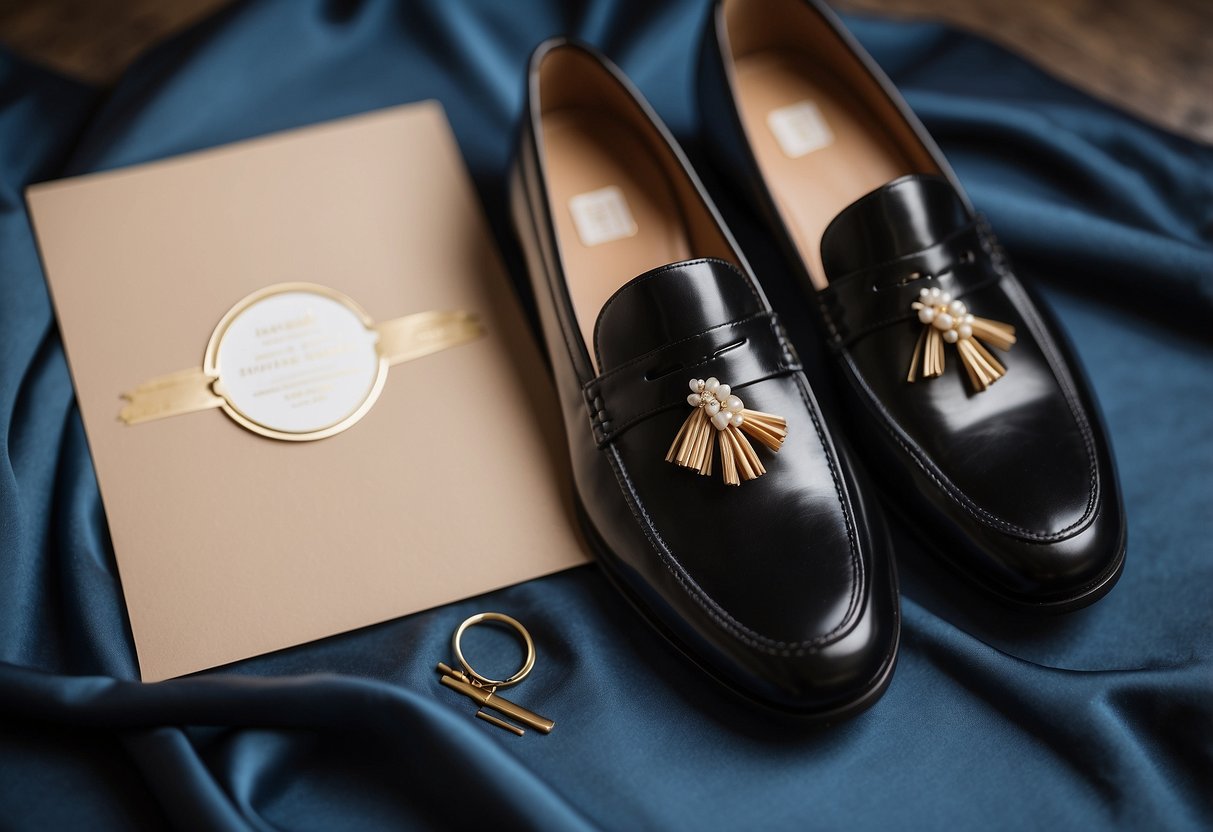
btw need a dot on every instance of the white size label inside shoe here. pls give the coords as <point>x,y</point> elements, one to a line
<point>602,216</point>
<point>800,129</point>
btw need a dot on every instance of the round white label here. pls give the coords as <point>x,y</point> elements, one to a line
<point>298,362</point>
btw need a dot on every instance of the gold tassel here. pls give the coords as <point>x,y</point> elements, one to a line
<point>998,335</point>
<point>717,411</point>
<point>948,321</point>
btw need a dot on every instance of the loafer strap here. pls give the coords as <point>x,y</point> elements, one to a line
<point>741,352</point>
<point>881,295</point>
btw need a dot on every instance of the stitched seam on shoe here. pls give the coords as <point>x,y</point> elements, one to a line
<point>998,257</point>
<point>717,613</point>
<point>952,490</point>
<point>857,576</point>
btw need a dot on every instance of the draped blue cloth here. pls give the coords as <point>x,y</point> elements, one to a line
<point>995,719</point>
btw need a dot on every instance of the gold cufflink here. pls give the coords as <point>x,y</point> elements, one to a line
<point>483,691</point>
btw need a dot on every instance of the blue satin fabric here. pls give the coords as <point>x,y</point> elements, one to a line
<point>1100,719</point>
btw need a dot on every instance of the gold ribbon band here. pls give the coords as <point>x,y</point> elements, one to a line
<point>184,391</point>
<point>417,335</point>
<point>400,339</point>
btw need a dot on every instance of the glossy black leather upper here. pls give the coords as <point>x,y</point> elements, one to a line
<point>1028,424</point>
<point>1015,485</point>
<point>1020,463</point>
<point>759,569</point>
<point>782,586</point>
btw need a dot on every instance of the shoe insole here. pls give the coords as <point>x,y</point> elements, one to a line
<point>818,146</point>
<point>615,212</point>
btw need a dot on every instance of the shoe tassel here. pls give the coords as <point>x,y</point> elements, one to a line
<point>719,415</point>
<point>948,321</point>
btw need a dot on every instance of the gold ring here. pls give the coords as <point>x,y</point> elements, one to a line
<point>513,624</point>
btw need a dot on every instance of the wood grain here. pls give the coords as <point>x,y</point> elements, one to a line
<point>1154,59</point>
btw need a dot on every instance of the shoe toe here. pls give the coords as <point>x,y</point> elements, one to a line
<point>849,672</point>
<point>1066,573</point>
<point>847,633</point>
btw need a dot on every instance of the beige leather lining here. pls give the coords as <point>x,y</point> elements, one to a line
<point>586,152</point>
<point>784,54</point>
<point>593,135</point>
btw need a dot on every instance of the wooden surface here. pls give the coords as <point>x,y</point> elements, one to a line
<point>1153,57</point>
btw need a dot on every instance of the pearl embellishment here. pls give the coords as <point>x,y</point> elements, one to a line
<point>720,420</point>
<point>947,320</point>
<point>950,317</point>
<point>717,401</point>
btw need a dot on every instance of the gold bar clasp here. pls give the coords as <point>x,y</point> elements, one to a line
<point>483,691</point>
<point>489,698</point>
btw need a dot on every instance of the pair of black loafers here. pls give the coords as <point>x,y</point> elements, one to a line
<point>718,497</point>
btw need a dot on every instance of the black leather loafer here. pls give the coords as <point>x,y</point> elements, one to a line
<point>780,585</point>
<point>966,402</point>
